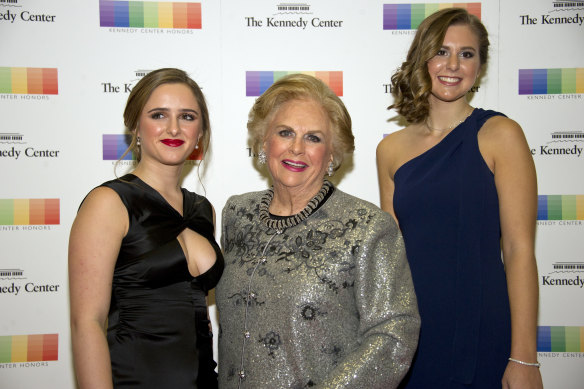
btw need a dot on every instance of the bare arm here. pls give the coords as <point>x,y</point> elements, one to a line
<point>94,243</point>
<point>385,177</point>
<point>507,153</point>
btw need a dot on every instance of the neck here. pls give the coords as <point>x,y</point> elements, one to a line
<point>444,116</point>
<point>165,179</point>
<point>290,201</point>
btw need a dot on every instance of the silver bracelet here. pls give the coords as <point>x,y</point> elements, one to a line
<point>536,364</point>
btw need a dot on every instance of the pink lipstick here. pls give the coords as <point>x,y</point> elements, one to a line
<point>294,166</point>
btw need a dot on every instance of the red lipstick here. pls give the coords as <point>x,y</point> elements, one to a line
<point>173,142</point>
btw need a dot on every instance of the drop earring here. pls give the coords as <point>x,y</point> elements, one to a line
<point>330,169</point>
<point>137,141</point>
<point>262,157</point>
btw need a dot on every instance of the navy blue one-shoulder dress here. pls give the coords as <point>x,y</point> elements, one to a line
<point>448,209</point>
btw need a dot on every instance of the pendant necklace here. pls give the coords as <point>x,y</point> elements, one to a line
<point>453,125</point>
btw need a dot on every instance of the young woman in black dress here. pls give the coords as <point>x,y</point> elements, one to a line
<point>142,253</point>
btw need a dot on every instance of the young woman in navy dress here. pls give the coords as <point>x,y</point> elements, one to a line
<point>462,185</point>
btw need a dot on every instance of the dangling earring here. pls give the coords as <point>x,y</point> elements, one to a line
<point>137,141</point>
<point>262,157</point>
<point>197,144</point>
<point>330,169</point>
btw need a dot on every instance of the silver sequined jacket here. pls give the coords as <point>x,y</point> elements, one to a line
<point>331,306</point>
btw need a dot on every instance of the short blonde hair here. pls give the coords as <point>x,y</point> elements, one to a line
<point>302,87</point>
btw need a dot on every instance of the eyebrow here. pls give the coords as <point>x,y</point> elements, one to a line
<point>462,48</point>
<point>167,109</point>
<point>287,127</point>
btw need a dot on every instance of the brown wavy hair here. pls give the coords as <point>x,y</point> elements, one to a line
<point>411,85</point>
<point>142,92</point>
<point>302,87</point>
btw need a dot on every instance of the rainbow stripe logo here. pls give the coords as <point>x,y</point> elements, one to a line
<point>149,14</point>
<point>29,348</point>
<point>256,82</point>
<point>409,16</point>
<point>32,81</point>
<point>560,207</point>
<point>115,145</point>
<point>29,211</point>
<point>560,339</point>
<point>551,81</point>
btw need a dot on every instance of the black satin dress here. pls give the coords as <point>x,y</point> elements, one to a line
<point>158,331</point>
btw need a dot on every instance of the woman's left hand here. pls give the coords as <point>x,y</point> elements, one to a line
<point>521,377</point>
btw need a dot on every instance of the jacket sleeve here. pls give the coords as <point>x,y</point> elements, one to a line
<point>388,313</point>
<point>224,220</point>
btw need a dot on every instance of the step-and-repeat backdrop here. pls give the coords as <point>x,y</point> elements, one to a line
<point>66,68</point>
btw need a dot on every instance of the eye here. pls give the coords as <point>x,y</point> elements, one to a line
<point>187,116</point>
<point>467,54</point>
<point>313,138</point>
<point>157,115</point>
<point>286,133</point>
<point>441,53</point>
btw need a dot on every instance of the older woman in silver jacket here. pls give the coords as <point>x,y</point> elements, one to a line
<point>316,290</point>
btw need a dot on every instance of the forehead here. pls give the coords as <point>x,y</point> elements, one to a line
<point>461,35</point>
<point>300,110</point>
<point>176,93</point>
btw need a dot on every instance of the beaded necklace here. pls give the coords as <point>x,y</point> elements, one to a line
<point>291,221</point>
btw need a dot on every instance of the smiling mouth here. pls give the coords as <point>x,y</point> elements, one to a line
<point>449,80</point>
<point>173,142</point>
<point>294,165</point>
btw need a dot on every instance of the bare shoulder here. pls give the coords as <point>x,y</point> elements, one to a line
<point>390,147</point>
<point>395,149</point>
<point>103,209</point>
<point>501,140</point>
<point>393,140</point>
<point>101,198</point>
<point>500,131</point>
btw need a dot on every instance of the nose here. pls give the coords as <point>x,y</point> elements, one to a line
<point>297,145</point>
<point>173,127</point>
<point>453,62</point>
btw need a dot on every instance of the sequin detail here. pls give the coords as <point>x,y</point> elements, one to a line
<point>333,305</point>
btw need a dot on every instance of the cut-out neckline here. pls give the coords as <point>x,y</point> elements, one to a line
<point>150,188</point>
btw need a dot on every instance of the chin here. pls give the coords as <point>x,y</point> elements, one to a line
<point>450,98</point>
